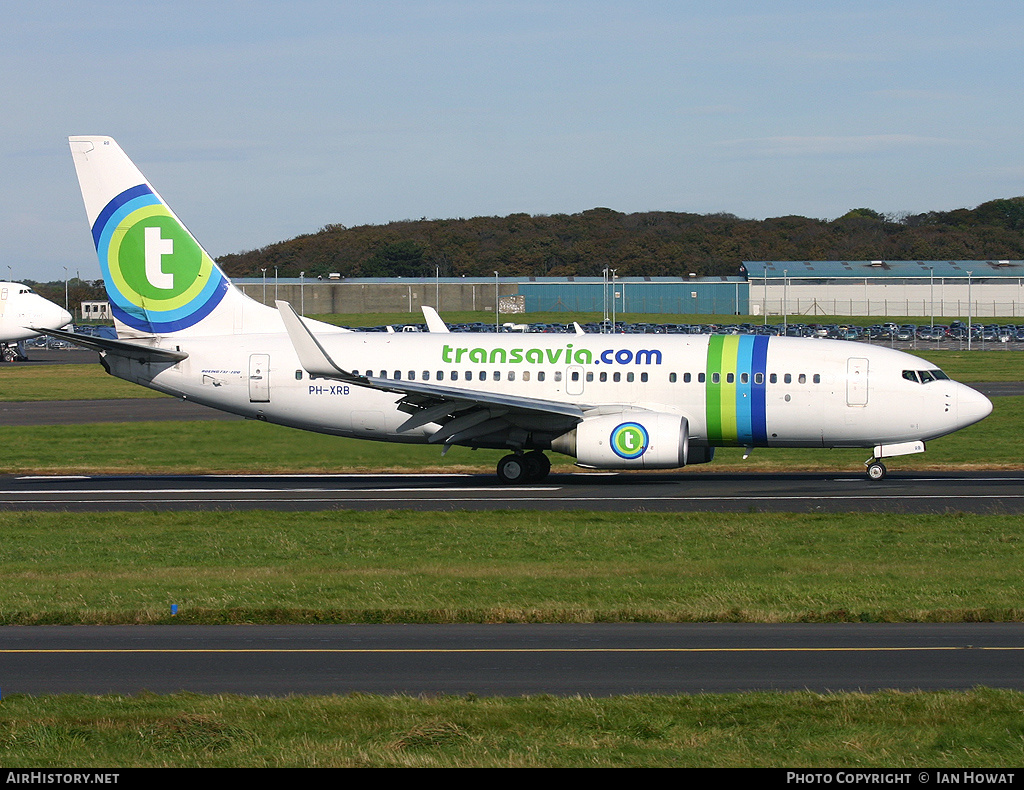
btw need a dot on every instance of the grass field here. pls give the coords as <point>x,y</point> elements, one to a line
<point>976,729</point>
<point>507,566</point>
<point>255,447</point>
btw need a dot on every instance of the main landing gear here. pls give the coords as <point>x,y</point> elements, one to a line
<point>876,469</point>
<point>531,467</point>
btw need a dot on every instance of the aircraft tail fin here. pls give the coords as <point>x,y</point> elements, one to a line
<point>159,280</point>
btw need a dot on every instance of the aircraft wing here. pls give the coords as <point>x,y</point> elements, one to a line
<point>121,348</point>
<point>464,414</point>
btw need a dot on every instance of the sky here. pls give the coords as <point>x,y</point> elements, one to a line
<point>262,121</point>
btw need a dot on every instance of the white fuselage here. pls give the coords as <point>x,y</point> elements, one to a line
<point>21,310</point>
<point>774,392</point>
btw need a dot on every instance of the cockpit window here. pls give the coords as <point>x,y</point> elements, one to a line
<point>924,376</point>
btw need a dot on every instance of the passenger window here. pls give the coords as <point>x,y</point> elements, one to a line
<point>802,378</point>
<point>787,378</point>
<point>643,377</point>
<point>744,378</point>
<point>526,375</point>
<point>730,378</point>
<point>616,377</point>
<point>716,378</point>
<point>686,378</point>
<point>817,378</point>
<point>590,376</point>
<point>511,375</point>
<point>603,376</point>
<point>759,378</point>
<point>700,378</point>
<point>773,378</point>
<point>540,375</point>
<point>298,375</point>
<point>629,377</point>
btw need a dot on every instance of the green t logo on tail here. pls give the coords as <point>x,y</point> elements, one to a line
<point>158,277</point>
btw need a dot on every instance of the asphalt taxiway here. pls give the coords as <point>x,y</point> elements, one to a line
<point>510,660</point>
<point>905,492</point>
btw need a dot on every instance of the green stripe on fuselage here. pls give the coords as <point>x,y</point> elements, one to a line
<point>720,409</point>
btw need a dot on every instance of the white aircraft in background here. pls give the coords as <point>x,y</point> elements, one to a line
<point>610,401</point>
<point>22,314</point>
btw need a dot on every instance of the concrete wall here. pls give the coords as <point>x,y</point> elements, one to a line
<point>381,297</point>
<point>946,298</point>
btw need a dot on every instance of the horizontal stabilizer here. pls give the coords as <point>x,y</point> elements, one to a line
<point>136,351</point>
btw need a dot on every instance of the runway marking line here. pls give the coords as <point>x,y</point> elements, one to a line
<point>342,650</point>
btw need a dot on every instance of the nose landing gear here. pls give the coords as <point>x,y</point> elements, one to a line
<point>876,469</point>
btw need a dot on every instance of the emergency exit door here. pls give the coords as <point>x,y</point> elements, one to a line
<point>856,381</point>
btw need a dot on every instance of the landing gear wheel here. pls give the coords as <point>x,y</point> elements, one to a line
<point>538,465</point>
<point>512,469</point>
<point>876,470</point>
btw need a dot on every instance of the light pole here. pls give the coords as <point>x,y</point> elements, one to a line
<point>302,293</point>
<point>264,285</point>
<point>497,327</point>
<point>65,287</point>
<point>931,296</point>
<point>785,301</point>
<point>613,299</point>
<point>969,316</point>
<point>604,299</point>
<point>764,301</point>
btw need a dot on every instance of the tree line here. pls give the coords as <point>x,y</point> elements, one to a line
<point>656,243</point>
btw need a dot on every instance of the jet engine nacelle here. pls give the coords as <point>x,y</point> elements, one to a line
<point>632,440</point>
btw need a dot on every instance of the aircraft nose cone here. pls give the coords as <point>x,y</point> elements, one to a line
<point>972,406</point>
<point>52,316</point>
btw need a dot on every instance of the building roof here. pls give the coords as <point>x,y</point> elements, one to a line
<point>757,270</point>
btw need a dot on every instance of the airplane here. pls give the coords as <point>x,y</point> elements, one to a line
<point>627,402</point>
<point>23,313</point>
